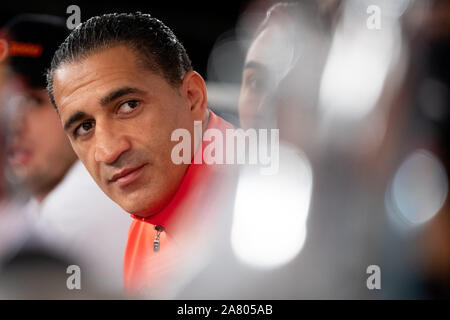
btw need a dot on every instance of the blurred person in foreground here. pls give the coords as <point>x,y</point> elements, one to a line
<point>123,86</point>
<point>64,206</point>
<point>269,225</point>
<point>380,176</point>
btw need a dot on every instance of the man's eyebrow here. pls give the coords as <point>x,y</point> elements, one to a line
<point>256,65</point>
<point>77,116</point>
<point>117,93</point>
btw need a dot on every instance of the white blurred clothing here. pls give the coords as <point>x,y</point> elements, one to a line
<point>76,219</point>
<point>15,226</point>
<point>92,226</point>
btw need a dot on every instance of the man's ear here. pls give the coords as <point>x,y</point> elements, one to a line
<point>194,90</point>
<point>3,49</point>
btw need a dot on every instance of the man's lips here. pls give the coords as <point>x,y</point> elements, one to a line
<point>19,157</point>
<point>126,176</point>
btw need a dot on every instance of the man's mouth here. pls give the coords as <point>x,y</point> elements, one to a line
<point>19,157</point>
<point>126,176</point>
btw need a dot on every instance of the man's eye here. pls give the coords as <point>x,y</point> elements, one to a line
<point>129,106</point>
<point>34,101</point>
<point>256,83</point>
<point>83,129</point>
<point>38,101</point>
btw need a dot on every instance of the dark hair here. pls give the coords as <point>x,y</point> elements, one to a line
<point>154,43</point>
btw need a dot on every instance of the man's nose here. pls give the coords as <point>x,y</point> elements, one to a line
<point>18,121</point>
<point>109,144</point>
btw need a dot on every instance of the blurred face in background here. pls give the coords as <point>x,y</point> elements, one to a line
<point>38,152</point>
<point>2,120</point>
<point>1,158</point>
<point>268,60</point>
<point>282,72</point>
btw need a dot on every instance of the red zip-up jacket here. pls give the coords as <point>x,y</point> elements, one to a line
<point>189,222</point>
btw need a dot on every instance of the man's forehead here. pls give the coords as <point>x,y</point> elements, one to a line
<point>272,49</point>
<point>104,63</point>
<point>92,77</point>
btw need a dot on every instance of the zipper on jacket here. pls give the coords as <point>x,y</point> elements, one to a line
<point>156,244</point>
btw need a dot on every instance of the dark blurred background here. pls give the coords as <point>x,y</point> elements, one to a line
<point>197,24</point>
